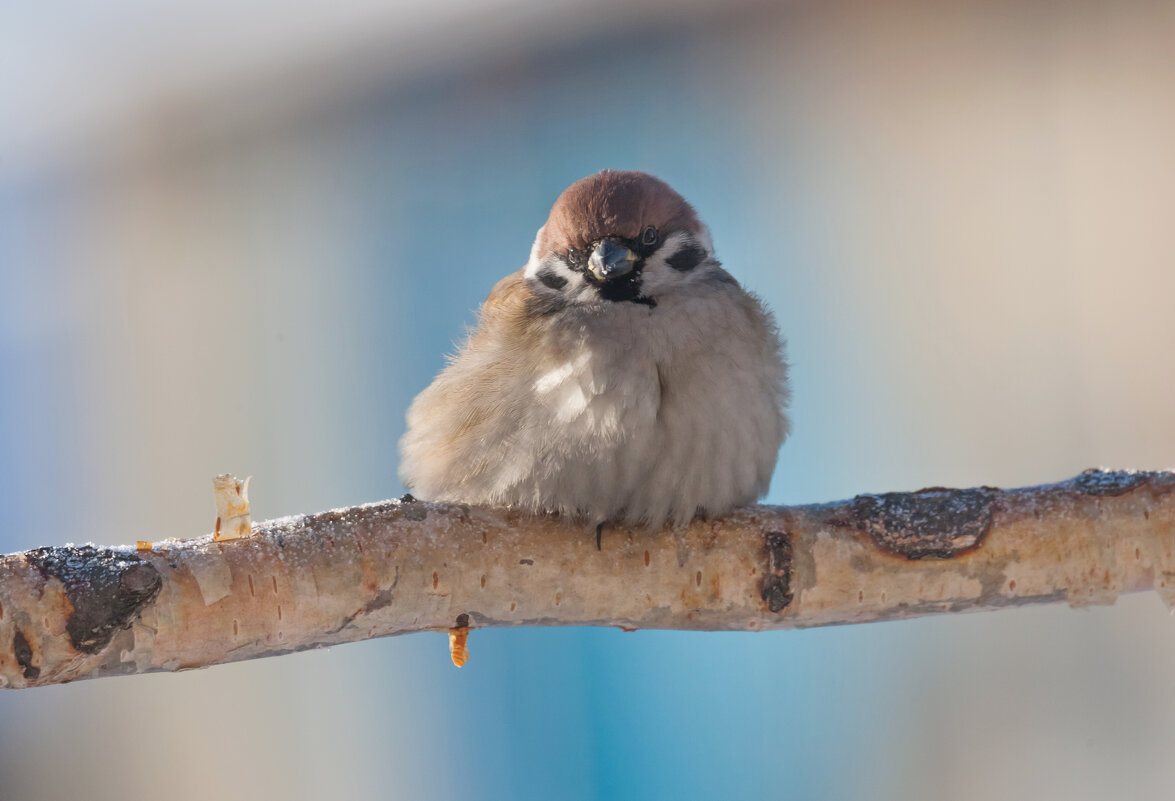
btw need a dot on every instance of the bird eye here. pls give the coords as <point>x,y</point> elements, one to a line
<point>649,237</point>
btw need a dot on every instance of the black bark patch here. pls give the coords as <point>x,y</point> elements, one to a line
<point>24,655</point>
<point>935,522</point>
<point>1099,481</point>
<point>106,588</point>
<point>462,621</point>
<point>776,590</point>
<point>687,258</point>
<point>526,561</point>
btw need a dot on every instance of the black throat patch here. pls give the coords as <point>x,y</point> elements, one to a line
<point>626,287</point>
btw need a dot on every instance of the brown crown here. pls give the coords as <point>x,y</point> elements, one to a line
<point>614,203</point>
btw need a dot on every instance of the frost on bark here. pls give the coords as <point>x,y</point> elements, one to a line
<point>73,612</point>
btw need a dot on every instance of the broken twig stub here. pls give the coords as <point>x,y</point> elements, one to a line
<point>233,520</point>
<point>405,566</point>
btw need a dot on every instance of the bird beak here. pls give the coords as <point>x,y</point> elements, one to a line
<point>610,260</point>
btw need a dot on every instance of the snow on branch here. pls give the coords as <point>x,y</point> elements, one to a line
<point>82,611</point>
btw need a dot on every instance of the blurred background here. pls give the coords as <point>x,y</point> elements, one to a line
<point>242,237</point>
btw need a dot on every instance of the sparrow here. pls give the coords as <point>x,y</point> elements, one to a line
<point>621,376</point>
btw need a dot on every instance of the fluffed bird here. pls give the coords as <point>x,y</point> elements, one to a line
<point>622,375</point>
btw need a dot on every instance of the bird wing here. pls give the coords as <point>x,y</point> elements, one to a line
<point>463,429</point>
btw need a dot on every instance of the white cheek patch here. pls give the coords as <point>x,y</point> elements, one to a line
<point>534,248</point>
<point>659,275</point>
<point>554,273</point>
<point>551,271</point>
<point>675,242</point>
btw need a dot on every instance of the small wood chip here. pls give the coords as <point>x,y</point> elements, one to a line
<point>233,520</point>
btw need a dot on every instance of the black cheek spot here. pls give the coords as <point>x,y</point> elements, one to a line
<point>550,278</point>
<point>687,258</point>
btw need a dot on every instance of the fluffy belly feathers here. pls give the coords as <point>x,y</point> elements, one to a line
<point>644,430</point>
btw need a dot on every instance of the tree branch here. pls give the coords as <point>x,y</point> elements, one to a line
<point>397,567</point>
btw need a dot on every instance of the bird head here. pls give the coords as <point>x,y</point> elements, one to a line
<point>620,237</point>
